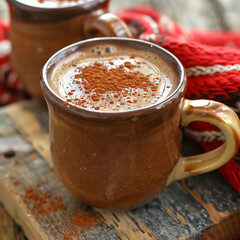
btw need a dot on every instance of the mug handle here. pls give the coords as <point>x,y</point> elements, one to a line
<point>105,25</point>
<point>219,115</point>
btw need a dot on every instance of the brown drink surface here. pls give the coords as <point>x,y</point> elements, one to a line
<point>52,3</point>
<point>112,78</point>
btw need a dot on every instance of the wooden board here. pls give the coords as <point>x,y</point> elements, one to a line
<point>8,229</point>
<point>187,209</point>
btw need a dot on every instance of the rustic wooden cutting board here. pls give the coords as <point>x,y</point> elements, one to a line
<point>203,207</point>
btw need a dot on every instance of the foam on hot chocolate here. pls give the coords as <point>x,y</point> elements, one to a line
<point>52,3</point>
<point>110,78</point>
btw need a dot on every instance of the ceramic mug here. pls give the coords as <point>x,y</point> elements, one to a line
<point>121,160</point>
<point>39,29</point>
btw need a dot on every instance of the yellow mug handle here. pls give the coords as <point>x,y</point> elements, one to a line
<point>219,115</point>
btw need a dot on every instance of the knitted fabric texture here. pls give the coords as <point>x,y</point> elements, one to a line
<point>211,59</point>
<point>10,87</point>
<point>212,63</point>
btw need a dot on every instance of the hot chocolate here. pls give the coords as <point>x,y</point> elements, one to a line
<point>110,78</point>
<point>52,3</point>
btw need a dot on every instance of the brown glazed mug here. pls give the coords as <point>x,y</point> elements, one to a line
<point>121,160</point>
<point>38,30</point>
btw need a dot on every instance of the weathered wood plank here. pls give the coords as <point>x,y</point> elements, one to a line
<point>183,211</point>
<point>229,229</point>
<point>30,128</point>
<point>190,217</point>
<point>127,225</point>
<point>9,230</point>
<point>229,12</point>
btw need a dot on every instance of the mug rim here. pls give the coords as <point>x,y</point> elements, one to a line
<point>84,5</point>
<point>50,94</point>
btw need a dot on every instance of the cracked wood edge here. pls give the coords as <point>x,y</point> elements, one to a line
<point>127,226</point>
<point>30,128</point>
<point>226,229</point>
<point>9,229</point>
<point>214,215</point>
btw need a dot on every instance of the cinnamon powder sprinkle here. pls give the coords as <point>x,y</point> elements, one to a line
<point>15,182</point>
<point>41,203</point>
<point>33,156</point>
<point>16,162</point>
<point>116,80</point>
<point>87,220</point>
<point>83,221</point>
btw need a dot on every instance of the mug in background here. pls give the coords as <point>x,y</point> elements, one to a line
<point>38,30</point>
<point>123,159</point>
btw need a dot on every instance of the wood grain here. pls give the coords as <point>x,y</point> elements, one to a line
<point>227,229</point>
<point>127,225</point>
<point>30,128</point>
<point>214,215</point>
<point>9,230</point>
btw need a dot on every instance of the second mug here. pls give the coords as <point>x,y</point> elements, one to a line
<point>39,28</point>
